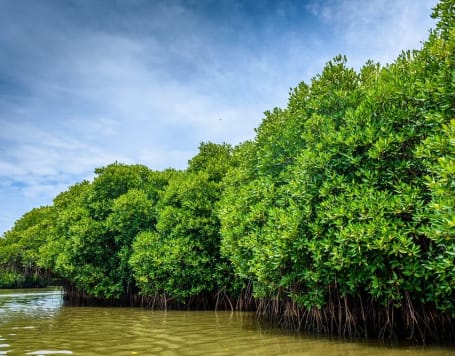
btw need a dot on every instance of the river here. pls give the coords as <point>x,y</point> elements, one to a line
<point>36,322</point>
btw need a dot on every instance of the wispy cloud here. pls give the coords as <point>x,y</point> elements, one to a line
<point>86,83</point>
<point>376,29</point>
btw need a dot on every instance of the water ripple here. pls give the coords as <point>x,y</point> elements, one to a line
<point>48,328</point>
<point>50,352</point>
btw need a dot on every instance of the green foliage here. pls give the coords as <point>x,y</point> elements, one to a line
<point>348,192</point>
<point>19,250</point>
<point>438,152</point>
<point>9,279</point>
<point>445,13</point>
<point>95,225</point>
<point>214,159</point>
<point>181,258</point>
<point>350,188</point>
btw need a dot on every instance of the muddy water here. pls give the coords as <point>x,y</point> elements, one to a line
<point>35,322</point>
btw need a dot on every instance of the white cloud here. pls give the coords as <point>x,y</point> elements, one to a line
<point>376,29</point>
<point>148,87</point>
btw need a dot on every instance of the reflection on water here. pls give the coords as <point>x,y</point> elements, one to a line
<point>36,323</point>
<point>21,304</point>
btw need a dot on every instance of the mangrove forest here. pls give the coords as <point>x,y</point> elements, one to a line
<point>337,218</point>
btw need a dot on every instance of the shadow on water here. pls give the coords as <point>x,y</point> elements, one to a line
<point>37,323</point>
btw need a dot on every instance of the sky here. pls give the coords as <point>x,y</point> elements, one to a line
<point>89,82</point>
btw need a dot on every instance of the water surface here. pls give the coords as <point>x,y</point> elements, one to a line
<point>35,322</point>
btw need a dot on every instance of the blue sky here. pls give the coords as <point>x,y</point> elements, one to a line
<point>89,82</point>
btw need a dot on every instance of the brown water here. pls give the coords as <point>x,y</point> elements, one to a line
<point>35,322</point>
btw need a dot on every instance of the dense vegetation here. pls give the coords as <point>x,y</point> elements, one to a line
<point>339,217</point>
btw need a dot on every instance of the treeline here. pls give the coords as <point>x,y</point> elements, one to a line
<point>339,217</point>
<point>132,230</point>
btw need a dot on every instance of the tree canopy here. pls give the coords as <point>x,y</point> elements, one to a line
<point>338,217</point>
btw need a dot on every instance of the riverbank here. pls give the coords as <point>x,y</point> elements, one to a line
<point>38,321</point>
<point>348,317</point>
